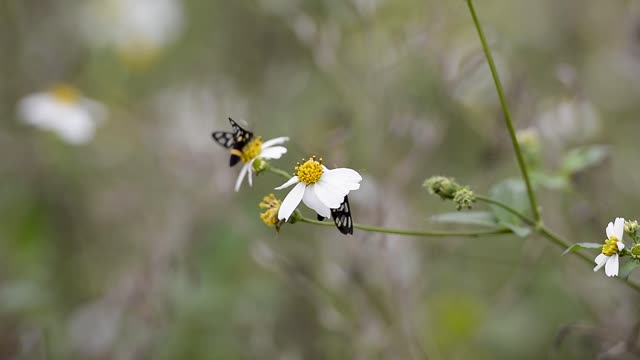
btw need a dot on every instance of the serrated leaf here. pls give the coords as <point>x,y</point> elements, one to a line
<point>583,157</point>
<point>480,218</point>
<point>578,246</point>
<point>627,268</point>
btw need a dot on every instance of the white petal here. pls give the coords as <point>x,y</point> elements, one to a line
<point>73,122</point>
<point>243,172</point>
<point>272,152</point>
<point>600,260</point>
<point>291,201</point>
<point>289,182</point>
<point>329,195</point>
<point>618,228</point>
<point>620,245</point>
<point>609,230</point>
<point>611,269</point>
<point>276,141</point>
<point>341,179</point>
<point>311,200</point>
<point>250,167</point>
<point>347,174</point>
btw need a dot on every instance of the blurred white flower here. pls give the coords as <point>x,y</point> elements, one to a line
<point>569,121</point>
<point>612,247</point>
<point>137,29</point>
<point>256,149</point>
<point>64,111</point>
<point>319,188</point>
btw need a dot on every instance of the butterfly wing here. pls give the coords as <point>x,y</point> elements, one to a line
<point>342,217</point>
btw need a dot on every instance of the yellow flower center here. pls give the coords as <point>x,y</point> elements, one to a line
<point>251,150</point>
<point>610,246</point>
<point>310,171</point>
<point>270,215</point>
<point>65,93</point>
<point>139,54</point>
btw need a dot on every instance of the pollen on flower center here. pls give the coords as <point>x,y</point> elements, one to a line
<point>310,171</point>
<point>65,93</point>
<point>251,150</point>
<point>610,246</point>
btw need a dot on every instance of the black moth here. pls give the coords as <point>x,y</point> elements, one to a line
<point>235,140</point>
<point>342,217</point>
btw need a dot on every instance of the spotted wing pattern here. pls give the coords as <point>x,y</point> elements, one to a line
<point>342,217</point>
<point>235,140</point>
<point>224,138</point>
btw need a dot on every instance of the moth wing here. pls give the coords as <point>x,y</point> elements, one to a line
<point>342,217</point>
<point>224,138</point>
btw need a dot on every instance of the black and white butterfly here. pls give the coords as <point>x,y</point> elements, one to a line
<point>342,217</point>
<point>235,140</point>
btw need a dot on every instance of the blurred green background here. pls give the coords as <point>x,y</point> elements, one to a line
<point>135,246</point>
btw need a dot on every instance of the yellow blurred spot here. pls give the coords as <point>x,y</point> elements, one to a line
<point>138,55</point>
<point>65,93</point>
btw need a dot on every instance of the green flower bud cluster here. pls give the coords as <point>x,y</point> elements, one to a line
<point>631,227</point>
<point>448,189</point>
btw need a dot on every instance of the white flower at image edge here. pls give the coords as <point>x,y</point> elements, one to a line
<point>609,257</point>
<point>63,111</point>
<point>321,189</point>
<point>256,149</point>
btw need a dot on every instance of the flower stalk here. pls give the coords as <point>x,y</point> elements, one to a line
<point>507,114</point>
<point>538,227</point>
<point>386,230</point>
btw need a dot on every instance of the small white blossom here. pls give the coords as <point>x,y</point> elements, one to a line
<point>63,111</point>
<point>609,257</point>
<point>137,29</point>
<point>319,188</point>
<point>256,149</point>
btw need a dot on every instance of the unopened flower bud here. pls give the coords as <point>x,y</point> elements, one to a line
<point>442,186</point>
<point>529,141</point>
<point>631,227</point>
<point>464,198</point>
<point>259,165</point>
<point>635,251</point>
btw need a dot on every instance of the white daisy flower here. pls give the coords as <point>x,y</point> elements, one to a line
<point>64,111</point>
<point>256,149</point>
<point>319,188</point>
<point>612,246</point>
<point>137,29</point>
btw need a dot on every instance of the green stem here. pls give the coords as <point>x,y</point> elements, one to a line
<point>507,114</point>
<point>539,227</point>
<point>277,171</point>
<point>412,232</point>
<point>506,207</point>
<point>551,236</point>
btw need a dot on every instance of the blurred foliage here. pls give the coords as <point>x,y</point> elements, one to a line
<point>135,246</point>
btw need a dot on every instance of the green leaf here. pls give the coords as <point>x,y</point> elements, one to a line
<point>551,182</point>
<point>627,268</point>
<point>578,246</point>
<point>583,157</point>
<point>521,231</point>
<point>480,218</point>
<point>511,192</point>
